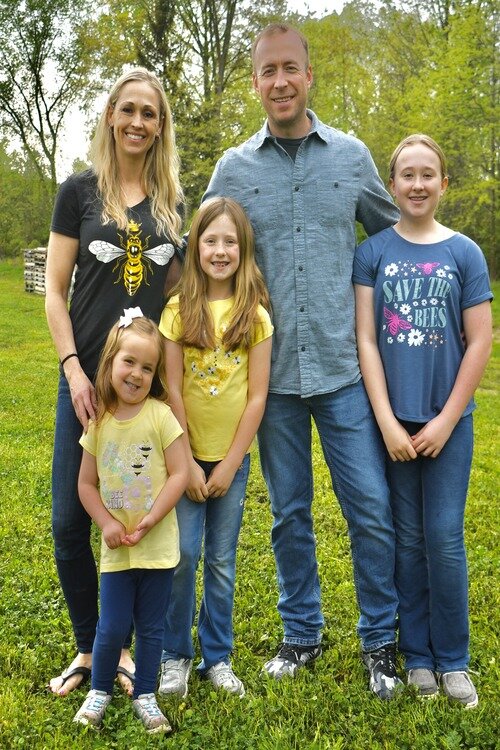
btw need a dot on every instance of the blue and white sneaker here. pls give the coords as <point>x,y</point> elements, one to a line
<point>289,659</point>
<point>381,664</point>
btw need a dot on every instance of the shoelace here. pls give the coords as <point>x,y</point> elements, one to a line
<point>289,652</point>
<point>95,703</point>
<point>150,707</point>
<point>386,658</point>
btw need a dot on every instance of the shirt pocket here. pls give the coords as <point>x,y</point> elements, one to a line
<point>336,202</point>
<point>260,202</point>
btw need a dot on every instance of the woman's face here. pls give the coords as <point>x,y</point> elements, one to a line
<point>135,119</point>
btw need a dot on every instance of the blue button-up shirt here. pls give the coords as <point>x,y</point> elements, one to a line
<point>303,213</point>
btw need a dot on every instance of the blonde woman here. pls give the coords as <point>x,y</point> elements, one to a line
<point>118,223</point>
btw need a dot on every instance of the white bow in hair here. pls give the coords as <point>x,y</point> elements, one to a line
<point>128,315</point>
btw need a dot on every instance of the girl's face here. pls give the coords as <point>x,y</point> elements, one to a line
<point>220,254</point>
<point>135,118</point>
<point>133,369</point>
<point>417,184</point>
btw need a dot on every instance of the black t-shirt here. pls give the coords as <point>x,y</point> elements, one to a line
<point>115,268</point>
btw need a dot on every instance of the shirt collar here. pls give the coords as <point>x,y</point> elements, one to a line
<point>317,127</point>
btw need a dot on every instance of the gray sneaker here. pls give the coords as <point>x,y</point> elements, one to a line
<point>458,686</point>
<point>425,682</point>
<point>93,708</point>
<point>147,710</point>
<point>289,659</point>
<point>174,676</point>
<point>221,675</point>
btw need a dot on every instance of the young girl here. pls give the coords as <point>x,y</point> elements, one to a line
<point>423,324</point>
<point>133,472</point>
<point>218,361</point>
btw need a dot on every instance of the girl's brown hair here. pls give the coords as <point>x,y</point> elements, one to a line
<point>160,175</point>
<point>410,140</point>
<point>249,286</point>
<point>105,393</point>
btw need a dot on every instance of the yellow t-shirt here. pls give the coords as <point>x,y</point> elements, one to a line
<point>215,387</point>
<point>131,469</point>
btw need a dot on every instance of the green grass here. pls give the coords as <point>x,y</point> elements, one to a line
<point>327,708</point>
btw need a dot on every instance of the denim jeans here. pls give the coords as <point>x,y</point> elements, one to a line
<point>354,454</point>
<point>428,498</point>
<point>138,596</point>
<point>71,524</point>
<point>217,523</point>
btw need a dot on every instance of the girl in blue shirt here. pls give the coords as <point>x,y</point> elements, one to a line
<point>423,324</point>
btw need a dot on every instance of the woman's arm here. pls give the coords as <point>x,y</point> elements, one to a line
<point>169,495</point>
<point>196,487</point>
<point>61,257</point>
<point>396,439</point>
<point>430,440</point>
<point>259,367</point>
<point>112,530</point>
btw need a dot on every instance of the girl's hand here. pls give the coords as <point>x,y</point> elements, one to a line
<point>82,394</point>
<point>398,443</point>
<point>430,440</point>
<point>197,485</point>
<point>220,479</point>
<point>113,533</point>
<point>147,523</point>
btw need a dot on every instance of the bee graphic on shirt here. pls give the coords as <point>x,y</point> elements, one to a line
<point>133,258</point>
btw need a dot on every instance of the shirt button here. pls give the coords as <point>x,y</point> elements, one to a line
<point>298,229</point>
<point>256,190</point>
<point>297,188</point>
<point>301,268</point>
<point>301,308</point>
<point>335,184</point>
<point>302,348</point>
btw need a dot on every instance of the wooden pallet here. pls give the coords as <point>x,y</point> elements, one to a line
<point>34,270</point>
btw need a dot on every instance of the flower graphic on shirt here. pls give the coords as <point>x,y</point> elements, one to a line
<point>415,337</point>
<point>415,304</point>
<point>450,276</point>
<point>390,339</point>
<point>433,301</point>
<point>401,338</point>
<point>214,391</point>
<point>391,269</point>
<point>404,309</point>
<point>441,273</point>
<point>424,303</point>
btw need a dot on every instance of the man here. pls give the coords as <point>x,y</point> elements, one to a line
<point>304,185</point>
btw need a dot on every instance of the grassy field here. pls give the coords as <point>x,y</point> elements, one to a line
<point>327,708</point>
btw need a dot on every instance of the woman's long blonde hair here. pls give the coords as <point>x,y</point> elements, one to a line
<point>160,177</point>
<point>197,324</point>
<point>105,393</point>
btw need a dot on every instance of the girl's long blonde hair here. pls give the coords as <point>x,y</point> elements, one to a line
<point>105,393</point>
<point>160,177</point>
<point>197,325</point>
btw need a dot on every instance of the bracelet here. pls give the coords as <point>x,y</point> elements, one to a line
<point>74,354</point>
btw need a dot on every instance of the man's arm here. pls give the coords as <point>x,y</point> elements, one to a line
<point>376,209</point>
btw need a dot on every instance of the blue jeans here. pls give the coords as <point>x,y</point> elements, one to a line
<point>217,522</point>
<point>138,596</point>
<point>428,499</point>
<point>354,454</point>
<point>71,524</point>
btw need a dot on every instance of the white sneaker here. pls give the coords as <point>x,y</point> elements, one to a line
<point>221,675</point>
<point>147,710</point>
<point>174,676</point>
<point>93,708</point>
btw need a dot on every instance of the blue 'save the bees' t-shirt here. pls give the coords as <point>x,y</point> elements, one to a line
<point>420,291</point>
<point>115,268</point>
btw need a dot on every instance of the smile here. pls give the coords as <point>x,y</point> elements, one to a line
<point>135,136</point>
<point>132,386</point>
<point>283,99</point>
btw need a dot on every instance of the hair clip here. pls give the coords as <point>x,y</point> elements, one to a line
<point>128,315</point>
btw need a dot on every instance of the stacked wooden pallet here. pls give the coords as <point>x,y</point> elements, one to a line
<point>34,270</point>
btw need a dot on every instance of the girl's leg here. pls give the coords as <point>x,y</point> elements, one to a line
<point>150,609</point>
<point>411,575</point>
<point>445,484</point>
<point>177,641</point>
<point>117,596</point>
<point>222,527</point>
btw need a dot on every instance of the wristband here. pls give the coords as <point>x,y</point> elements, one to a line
<point>74,354</point>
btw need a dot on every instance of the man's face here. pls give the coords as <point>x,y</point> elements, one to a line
<point>282,79</point>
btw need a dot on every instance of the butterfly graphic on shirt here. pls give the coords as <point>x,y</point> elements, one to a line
<point>427,268</point>
<point>133,258</point>
<point>395,322</point>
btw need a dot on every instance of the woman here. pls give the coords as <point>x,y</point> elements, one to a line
<point>118,222</point>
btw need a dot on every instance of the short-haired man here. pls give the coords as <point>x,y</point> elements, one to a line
<point>304,185</point>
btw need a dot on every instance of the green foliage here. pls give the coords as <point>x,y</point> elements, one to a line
<point>326,708</point>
